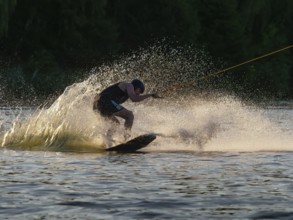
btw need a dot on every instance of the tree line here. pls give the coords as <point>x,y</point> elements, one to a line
<point>42,42</point>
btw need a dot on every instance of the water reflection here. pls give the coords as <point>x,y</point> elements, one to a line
<point>145,185</point>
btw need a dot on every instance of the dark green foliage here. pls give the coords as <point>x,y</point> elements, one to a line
<point>47,39</point>
<point>6,7</point>
<point>142,21</point>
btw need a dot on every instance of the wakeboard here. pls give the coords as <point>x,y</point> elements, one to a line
<point>134,144</point>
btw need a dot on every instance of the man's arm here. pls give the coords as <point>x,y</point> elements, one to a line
<point>137,98</point>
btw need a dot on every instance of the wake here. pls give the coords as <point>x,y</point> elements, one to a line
<point>183,120</point>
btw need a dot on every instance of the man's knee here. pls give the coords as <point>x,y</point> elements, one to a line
<point>125,114</point>
<point>130,115</point>
<point>129,120</point>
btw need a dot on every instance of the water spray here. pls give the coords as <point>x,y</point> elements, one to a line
<point>178,86</point>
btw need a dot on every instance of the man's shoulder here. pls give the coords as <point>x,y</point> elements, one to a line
<point>124,85</point>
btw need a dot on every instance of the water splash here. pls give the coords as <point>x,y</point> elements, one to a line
<point>183,121</point>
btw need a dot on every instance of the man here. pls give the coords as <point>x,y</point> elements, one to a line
<point>109,100</point>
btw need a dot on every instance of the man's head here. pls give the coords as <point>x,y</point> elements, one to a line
<point>138,86</point>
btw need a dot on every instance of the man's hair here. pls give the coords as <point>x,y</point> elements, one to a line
<point>138,84</point>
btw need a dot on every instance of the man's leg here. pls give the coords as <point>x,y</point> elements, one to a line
<point>114,120</point>
<point>114,123</point>
<point>127,116</point>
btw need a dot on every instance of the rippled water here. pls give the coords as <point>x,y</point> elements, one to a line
<point>207,185</point>
<point>242,170</point>
<point>200,184</point>
<point>215,157</point>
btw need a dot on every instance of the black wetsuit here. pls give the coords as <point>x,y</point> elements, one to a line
<point>110,99</point>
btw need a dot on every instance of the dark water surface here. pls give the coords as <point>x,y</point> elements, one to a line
<point>182,185</point>
<point>243,171</point>
<point>216,157</point>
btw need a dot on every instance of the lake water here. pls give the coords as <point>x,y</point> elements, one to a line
<point>240,168</point>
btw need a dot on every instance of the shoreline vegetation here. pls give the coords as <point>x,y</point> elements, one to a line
<point>44,43</point>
